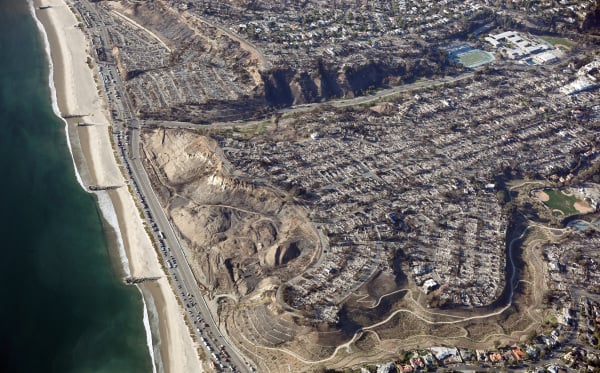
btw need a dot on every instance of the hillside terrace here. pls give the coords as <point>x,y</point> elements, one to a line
<point>189,66</point>
<point>574,264</point>
<point>413,180</point>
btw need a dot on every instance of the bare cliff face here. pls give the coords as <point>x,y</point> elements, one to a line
<point>326,80</point>
<point>200,72</point>
<point>237,234</point>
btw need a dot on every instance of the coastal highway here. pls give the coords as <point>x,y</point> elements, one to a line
<point>126,131</point>
<point>184,281</point>
<point>205,328</point>
<point>215,343</point>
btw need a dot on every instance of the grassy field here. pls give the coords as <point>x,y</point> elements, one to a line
<point>562,41</point>
<point>560,201</point>
<point>475,58</point>
<point>253,130</point>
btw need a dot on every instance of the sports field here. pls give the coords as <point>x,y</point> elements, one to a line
<point>557,200</point>
<point>474,58</point>
<point>559,41</point>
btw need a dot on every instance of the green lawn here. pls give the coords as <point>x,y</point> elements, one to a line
<point>475,58</point>
<point>559,201</point>
<point>562,41</point>
<point>252,130</point>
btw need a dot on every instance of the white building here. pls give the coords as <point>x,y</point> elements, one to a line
<point>578,85</point>
<point>547,57</point>
<point>516,45</point>
<point>429,285</point>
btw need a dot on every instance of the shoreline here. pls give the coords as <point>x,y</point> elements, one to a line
<point>74,87</point>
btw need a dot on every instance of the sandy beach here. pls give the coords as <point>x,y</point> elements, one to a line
<point>78,94</point>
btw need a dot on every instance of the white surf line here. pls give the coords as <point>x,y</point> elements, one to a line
<point>110,215</point>
<point>135,24</point>
<point>105,204</point>
<point>146,321</point>
<point>53,95</point>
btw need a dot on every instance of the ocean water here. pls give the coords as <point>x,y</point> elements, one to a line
<point>63,307</point>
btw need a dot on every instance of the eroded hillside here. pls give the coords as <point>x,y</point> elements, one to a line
<point>180,66</point>
<point>419,244</point>
<point>238,234</point>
